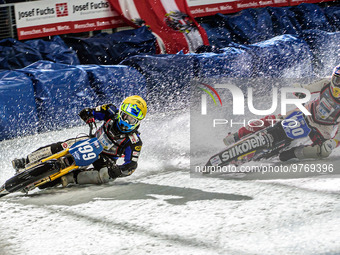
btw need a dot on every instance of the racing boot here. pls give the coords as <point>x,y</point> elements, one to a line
<point>19,164</point>
<point>231,139</point>
<point>287,155</point>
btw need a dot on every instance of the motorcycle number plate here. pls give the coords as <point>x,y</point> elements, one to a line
<point>295,126</point>
<point>86,152</point>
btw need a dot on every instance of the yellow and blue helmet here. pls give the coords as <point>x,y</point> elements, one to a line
<point>132,110</point>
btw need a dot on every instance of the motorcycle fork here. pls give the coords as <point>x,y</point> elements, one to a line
<point>61,172</point>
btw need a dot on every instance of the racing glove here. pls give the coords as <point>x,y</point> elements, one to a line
<point>113,170</point>
<point>108,110</point>
<point>298,94</point>
<point>87,115</point>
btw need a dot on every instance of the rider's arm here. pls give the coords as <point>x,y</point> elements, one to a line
<point>131,155</point>
<point>103,112</point>
<point>316,86</point>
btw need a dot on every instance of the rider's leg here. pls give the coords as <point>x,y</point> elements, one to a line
<point>43,152</point>
<point>98,175</point>
<point>314,151</point>
<point>18,164</point>
<point>87,177</point>
<point>305,152</point>
<point>94,176</point>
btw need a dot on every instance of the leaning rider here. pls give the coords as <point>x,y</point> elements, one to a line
<point>118,135</point>
<point>325,119</point>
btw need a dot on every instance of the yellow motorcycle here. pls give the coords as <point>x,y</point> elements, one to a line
<point>79,156</point>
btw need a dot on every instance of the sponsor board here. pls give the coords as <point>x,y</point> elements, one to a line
<point>297,2</point>
<point>46,18</point>
<point>200,8</point>
<point>93,15</point>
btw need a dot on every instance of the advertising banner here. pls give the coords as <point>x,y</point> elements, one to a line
<point>200,8</point>
<point>297,2</point>
<point>94,15</point>
<point>46,18</point>
<point>42,18</point>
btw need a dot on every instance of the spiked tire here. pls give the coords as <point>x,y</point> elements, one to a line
<point>30,176</point>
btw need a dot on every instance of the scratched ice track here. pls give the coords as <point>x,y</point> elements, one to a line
<point>161,209</point>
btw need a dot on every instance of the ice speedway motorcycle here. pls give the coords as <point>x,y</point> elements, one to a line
<point>79,156</point>
<point>263,144</point>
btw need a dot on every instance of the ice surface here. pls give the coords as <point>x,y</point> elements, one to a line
<point>160,209</point>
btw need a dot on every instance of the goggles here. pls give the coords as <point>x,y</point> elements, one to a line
<point>129,119</point>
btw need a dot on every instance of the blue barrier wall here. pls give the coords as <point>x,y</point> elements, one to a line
<point>110,49</point>
<point>333,15</point>
<point>55,50</point>
<point>61,91</point>
<point>18,115</point>
<point>112,83</point>
<point>250,26</point>
<point>311,16</point>
<point>167,77</point>
<point>48,96</point>
<point>254,25</point>
<point>281,56</point>
<point>102,49</point>
<point>15,54</point>
<point>230,62</point>
<point>284,21</point>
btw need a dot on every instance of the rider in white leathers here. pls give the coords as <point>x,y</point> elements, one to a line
<point>324,121</point>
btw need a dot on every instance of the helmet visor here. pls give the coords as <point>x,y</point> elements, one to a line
<point>127,123</point>
<point>129,119</point>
